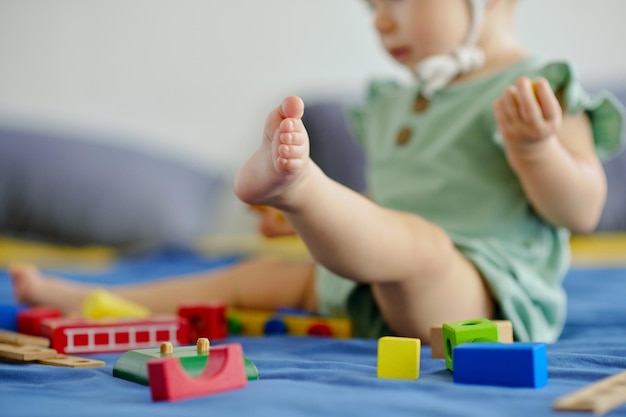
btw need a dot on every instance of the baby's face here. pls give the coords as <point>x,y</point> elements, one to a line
<point>411,30</point>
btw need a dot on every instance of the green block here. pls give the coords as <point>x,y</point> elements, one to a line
<point>132,364</point>
<point>457,333</point>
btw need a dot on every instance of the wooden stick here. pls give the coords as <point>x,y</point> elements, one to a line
<point>599,397</point>
<point>20,339</point>
<point>25,353</point>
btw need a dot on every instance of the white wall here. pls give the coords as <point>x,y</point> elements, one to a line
<point>195,78</point>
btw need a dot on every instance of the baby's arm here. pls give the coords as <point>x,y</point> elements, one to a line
<point>553,154</point>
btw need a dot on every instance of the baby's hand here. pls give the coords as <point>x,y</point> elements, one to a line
<point>528,113</point>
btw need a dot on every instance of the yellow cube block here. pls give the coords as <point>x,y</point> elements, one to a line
<point>398,357</point>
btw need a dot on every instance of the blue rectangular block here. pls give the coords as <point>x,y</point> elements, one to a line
<point>501,364</point>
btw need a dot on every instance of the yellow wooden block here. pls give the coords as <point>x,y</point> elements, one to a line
<point>398,357</point>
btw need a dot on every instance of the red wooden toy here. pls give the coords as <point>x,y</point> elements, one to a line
<point>224,371</point>
<point>205,320</point>
<point>29,320</point>
<point>114,335</point>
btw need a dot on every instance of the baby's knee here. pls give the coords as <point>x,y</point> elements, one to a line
<point>438,253</point>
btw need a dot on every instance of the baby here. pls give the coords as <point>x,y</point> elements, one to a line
<point>477,173</point>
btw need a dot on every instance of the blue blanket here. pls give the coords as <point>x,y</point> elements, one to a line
<point>308,376</point>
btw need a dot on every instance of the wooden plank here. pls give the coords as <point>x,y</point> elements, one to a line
<point>20,339</point>
<point>25,353</point>
<point>72,362</point>
<point>599,397</point>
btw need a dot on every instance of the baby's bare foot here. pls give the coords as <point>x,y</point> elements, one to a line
<point>31,287</point>
<point>281,161</point>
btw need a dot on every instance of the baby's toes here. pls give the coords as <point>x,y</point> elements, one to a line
<point>291,151</point>
<point>291,125</point>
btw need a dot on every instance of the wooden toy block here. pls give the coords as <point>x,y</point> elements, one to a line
<point>71,362</point>
<point>104,304</point>
<point>25,353</point>
<point>132,364</point>
<point>224,371</point>
<point>599,397</point>
<point>457,333</point>
<point>114,335</point>
<point>263,322</point>
<point>398,357</point>
<point>501,364</point>
<point>19,339</point>
<point>8,316</point>
<point>29,320</point>
<point>437,351</point>
<point>205,320</point>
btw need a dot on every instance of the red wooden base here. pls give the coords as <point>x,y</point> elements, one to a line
<point>224,371</point>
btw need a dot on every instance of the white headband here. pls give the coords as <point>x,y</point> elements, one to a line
<point>435,72</point>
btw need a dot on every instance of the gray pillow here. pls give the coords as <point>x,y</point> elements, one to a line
<point>333,146</point>
<point>83,192</point>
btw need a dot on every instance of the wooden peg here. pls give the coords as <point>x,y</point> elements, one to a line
<point>203,345</point>
<point>167,348</point>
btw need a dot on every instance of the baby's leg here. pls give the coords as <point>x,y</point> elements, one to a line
<point>256,284</point>
<point>419,278</point>
<point>31,287</point>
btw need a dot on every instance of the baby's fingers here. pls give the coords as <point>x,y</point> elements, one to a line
<point>528,106</point>
<point>550,107</point>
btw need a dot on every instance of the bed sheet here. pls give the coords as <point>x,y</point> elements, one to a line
<point>310,376</point>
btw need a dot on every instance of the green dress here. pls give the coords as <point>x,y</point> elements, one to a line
<point>446,163</point>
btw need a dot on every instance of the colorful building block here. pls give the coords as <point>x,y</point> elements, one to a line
<point>205,320</point>
<point>398,357</point>
<point>507,365</point>
<point>457,333</point>
<point>131,365</point>
<point>224,371</point>
<point>29,320</point>
<point>282,321</point>
<point>103,304</point>
<point>437,351</point>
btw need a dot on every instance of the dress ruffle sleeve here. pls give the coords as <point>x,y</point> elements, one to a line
<point>605,112</point>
